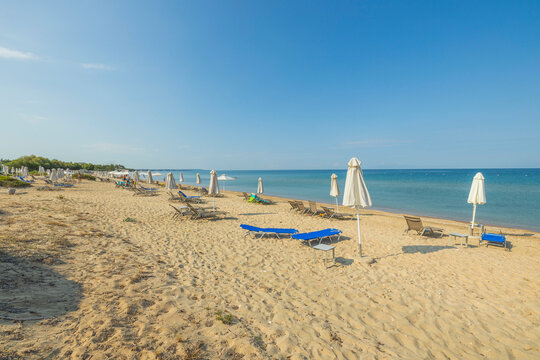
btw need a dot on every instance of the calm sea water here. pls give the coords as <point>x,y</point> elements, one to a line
<point>513,195</point>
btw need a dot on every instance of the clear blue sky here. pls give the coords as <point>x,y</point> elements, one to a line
<point>272,84</point>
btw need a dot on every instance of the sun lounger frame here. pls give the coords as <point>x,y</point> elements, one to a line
<point>254,231</point>
<point>331,214</point>
<point>301,208</point>
<point>203,214</point>
<point>494,239</point>
<point>414,223</point>
<point>317,235</point>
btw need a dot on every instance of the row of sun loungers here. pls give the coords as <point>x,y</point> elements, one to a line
<point>312,210</point>
<point>142,191</point>
<point>188,211</point>
<point>137,190</point>
<point>62,184</point>
<point>184,198</point>
<point>306,237</point>
<point>415,224</point>
<point>194,213</point>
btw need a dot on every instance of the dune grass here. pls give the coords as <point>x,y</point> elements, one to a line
<point>9,182</point>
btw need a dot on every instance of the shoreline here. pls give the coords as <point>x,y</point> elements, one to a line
<point>512,196</point>
<point>395,214</point>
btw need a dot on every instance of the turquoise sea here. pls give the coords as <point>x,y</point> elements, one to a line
<point>513,195</point>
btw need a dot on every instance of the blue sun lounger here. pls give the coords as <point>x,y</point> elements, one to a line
<point>188,197</point>
<point>495,239</point>
<point>254,231</point>
<point>314,235</point>
<point>26,181</point>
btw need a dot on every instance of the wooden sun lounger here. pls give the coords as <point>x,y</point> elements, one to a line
<point>313,208</point>
<point>144,192</point>
<point>202,191</point>
<point>293,205</point>
<point>331,214</point>
<point>301,208</point>
<point>199,213</point>
<point>190,199</point>
<point>180,212</point>
<point>415,224</point>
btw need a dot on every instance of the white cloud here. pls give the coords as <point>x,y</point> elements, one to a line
<point>15,54</point>
<point>32,119</point>
<point>110,148</point>
<point>97,67</point>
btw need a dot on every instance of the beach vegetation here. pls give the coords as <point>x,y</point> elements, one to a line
<point>194,351</point>
<point>86,177</point>
<point>225,318</point>
<point>129,219</point>
<point>9,182</point>
<point>33,163</point>
<point>258,342</point>
<point>335,337</point>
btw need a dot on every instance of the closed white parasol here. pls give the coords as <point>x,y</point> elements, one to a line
<point>334,189</point>
<point>356,194</point>
<point>477,195</point>
<point>170,184</point>
<point>213,188</point>
<point>260,188</point>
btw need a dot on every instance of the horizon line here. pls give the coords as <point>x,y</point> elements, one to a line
<point>329,169</point>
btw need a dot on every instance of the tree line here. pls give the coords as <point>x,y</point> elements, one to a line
<point>33,163</point>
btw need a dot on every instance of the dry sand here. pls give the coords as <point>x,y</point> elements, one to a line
<point>77,281</point>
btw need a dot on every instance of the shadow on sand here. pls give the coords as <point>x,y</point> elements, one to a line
<point>252,214</point>
<point>522,235</point>
<point>345,262</point>
<point>31,290</point>
<point>331,240</point>
<point>424,249</point>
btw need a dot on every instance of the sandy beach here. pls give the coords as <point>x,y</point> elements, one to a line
<point>79,281</point>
